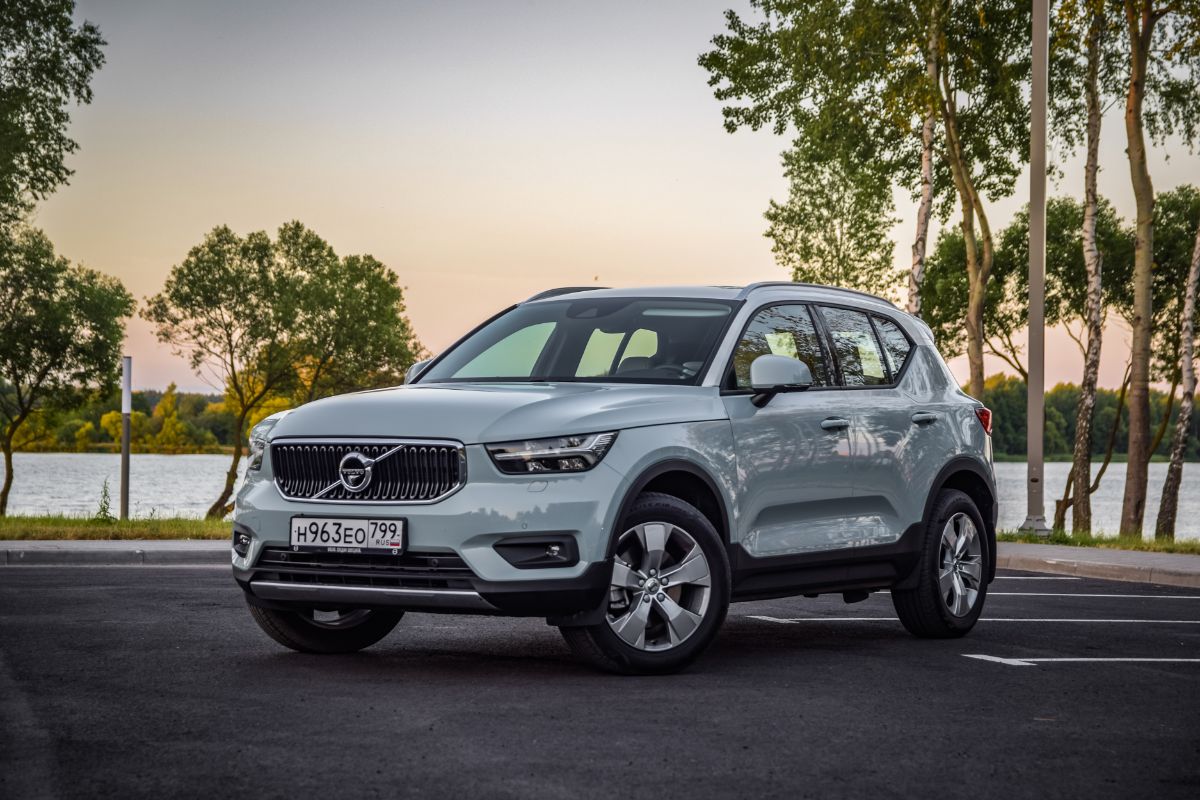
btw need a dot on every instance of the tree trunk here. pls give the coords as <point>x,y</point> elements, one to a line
<point>1168,505</point>
<point>221,507</point>
<point>1166,420</point>
<point>6,445</point>
<point>1140,22</point>
<point>1081,469</point>
<point>917,275</point>
<point>979,251</point>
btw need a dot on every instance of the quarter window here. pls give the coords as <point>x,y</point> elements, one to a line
<point>855,347</point>
<point>896,345</point>
<point>786,330</point>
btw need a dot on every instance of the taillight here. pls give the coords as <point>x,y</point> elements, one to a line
<point>985,419</point>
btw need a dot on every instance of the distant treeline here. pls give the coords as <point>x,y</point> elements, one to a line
<point>161,422</point>
<point>1005,395</point>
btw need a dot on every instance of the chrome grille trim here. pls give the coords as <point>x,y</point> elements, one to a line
<point>406,471</point>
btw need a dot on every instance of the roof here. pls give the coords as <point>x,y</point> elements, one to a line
<point>807,290</point>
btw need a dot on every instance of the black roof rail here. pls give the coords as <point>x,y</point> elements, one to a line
<point>563,290</point>
<point>746,290</point>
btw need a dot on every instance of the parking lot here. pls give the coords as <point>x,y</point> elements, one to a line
<point>149,681</point>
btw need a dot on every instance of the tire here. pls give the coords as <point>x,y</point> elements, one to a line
<point>350,632</point>
<point>677,619</point>
<point>952,571</point>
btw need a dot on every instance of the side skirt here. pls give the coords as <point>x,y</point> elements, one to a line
<point>832,571</point>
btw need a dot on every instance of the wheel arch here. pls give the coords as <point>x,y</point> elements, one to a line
<point>974,479</point>
<point>686,481</point>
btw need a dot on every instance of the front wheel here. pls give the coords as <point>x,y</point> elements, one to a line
<point>668,592</point>
<point>314,631</point>
<point>951,573</point>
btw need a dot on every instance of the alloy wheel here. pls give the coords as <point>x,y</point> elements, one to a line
<point>660,587</point>
<point>960,563</point>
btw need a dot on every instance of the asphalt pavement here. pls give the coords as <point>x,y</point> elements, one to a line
<point>152,681</point>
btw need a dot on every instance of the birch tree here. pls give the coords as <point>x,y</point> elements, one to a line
<point>916,277</point>
<point>1164,69</point>
<point>1169,502</point>
<point>833,69</point>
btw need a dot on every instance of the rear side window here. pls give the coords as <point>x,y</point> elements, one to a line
<point>786,330</point>
<point>855,347</point>
<point>896,345</point>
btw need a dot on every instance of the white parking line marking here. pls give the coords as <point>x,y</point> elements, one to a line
<point>790,620</point>
<point>1081,594</point>
<point>1035,578</point>
<point>1033,662</point>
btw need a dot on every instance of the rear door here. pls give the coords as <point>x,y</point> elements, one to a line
<point>891,435</point>
<point>792,454</point>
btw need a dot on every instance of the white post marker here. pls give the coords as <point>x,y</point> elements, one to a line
<point>126,410</point>
<point>1035,519</point>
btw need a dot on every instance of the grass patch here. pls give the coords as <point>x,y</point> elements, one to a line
<point>63,527</point>
<point>1187,546</point>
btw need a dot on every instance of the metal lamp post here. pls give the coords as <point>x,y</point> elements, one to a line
<point>126,411</point>
<point>1035,519</point>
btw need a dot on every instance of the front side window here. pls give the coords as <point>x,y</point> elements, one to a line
<point>619,339</point>
<point>855,347</point>
<point>785,330</point>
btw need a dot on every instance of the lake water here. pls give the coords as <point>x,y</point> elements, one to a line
<point>71,483</point>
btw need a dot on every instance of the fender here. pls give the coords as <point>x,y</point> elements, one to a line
<point>662,468</point>
<point>979,469</point>
<point>596,616</point>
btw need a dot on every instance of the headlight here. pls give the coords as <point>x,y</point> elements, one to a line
<point>560,454</point>
<point>258,438</point>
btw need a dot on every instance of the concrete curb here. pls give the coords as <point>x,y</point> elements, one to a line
<point>114,553</point>
<point>1165,569</point>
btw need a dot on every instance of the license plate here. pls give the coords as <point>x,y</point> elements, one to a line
<point>347,535</point>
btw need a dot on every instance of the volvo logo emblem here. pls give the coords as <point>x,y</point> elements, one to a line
<point>355,471</point>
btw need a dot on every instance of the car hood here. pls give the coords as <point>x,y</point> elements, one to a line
<point>475,412</point>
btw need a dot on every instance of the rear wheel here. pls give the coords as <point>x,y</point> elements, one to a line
<point>952,572</point>
<point>668,592</point>
<point>315,631</point>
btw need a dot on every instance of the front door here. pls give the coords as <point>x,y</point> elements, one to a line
<point>792,454</point>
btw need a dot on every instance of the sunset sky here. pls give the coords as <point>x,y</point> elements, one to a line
<point>483,150</point>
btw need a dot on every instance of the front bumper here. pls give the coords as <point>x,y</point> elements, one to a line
<point>450,562</point>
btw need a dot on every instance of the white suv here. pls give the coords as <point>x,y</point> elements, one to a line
<point>625,463</point>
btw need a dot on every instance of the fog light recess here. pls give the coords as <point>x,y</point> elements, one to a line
<point>539,552</point>
<point>241,540</point>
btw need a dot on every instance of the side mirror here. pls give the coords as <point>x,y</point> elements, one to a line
<point>770,375</point>
<point>416,369</point>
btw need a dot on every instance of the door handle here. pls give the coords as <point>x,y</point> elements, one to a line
<point>924,417</point>
<point>835,423</point>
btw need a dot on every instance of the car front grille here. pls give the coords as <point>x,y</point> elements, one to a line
<point>403,471</point>
<point>405,571</point>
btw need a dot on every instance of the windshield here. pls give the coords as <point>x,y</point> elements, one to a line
<point>621,339</point>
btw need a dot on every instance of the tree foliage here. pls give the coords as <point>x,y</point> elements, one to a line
<point>833,228</point>
<point>351,329</point>
<point>61,328</point>
<point>287,318</point>
<point>46,65</point>
<point>1008,291</point>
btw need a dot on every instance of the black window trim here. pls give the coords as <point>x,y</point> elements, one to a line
<point>823,337</point>
<point>826,355</point>
<point>899,376</point>
<point>879,343</point>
